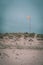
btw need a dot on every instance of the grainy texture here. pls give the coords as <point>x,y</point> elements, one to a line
<point>21,57</point>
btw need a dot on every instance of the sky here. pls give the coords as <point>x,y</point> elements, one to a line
<point>13,15</point>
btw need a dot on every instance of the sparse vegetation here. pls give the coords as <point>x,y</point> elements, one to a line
<point>17,36</point>
<point>1,36</point>
<point>10,35</point>
<point>29,35</point>
<point>40,35</point>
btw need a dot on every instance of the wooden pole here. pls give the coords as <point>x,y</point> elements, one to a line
<point>29,19</point>
<point>30,25</point>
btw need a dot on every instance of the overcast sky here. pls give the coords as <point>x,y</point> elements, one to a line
<point>14,12</point>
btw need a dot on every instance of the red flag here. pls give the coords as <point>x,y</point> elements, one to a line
<point>28,17</point>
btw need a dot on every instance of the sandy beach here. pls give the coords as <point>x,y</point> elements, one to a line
<point>21,57</point>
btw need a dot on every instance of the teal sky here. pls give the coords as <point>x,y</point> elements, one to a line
<point>13,15</point>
